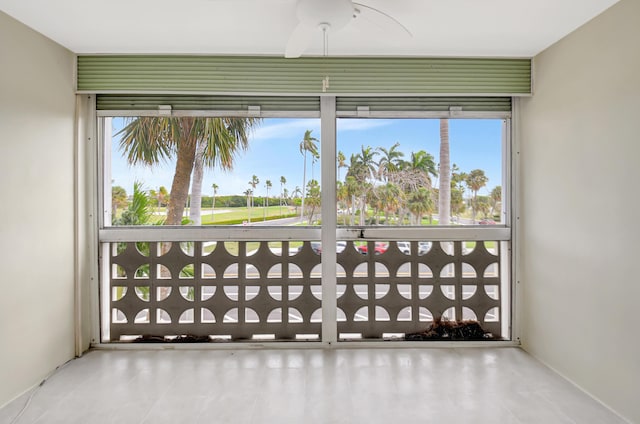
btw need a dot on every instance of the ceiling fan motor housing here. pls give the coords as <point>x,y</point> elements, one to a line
<point>334,13</point>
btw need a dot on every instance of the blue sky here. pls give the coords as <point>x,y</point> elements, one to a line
<point>274,151</point>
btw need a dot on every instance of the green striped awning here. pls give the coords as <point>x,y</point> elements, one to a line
<point>356,76</point>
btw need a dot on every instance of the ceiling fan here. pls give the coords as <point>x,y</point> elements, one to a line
<point>332,15</point>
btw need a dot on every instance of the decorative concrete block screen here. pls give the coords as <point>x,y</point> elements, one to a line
<point>271,290</point>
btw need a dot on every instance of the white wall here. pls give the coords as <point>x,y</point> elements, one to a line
<point>580,217</point>
<point>37,106</point>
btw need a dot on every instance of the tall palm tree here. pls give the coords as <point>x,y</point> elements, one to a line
<point>444,191</point>
<point>476,179</point>
<point>389,162</point>
<point>215,187</point>
<point>367,163</point>
<point>314,159</point>
<point>308,144</point>
<point>228,129</point>
<point>253,183</point>
<point>151,140</point>
<point>248,193</point>
<point>341,198</point>
<point>352,187</point>
<point>340,162</point>
<point>363,168</point>
<point>268,185</point>
<point>283,181</point>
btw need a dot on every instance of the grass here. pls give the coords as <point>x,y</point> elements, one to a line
<point>230,216</point>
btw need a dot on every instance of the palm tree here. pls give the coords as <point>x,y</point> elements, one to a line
<point>268,185</point>
<point>389,162</point>
<point>215,187</point>
<point>458,178</point>
<point>283,181</point>
<point>227,129</point>
<point>476,179</point>
<point>308,144</point>
<point>253,183</point>
<point>366,161</point>
<point>352,188</point>
<point>390,196</point>
<point>314,196</point>
<point>248,193</point>
<point>314,159</point>
<point>444,191</point>
<point>341,162</point>
<point>341,197</point>
<point>137,212</point>
<point>420,203</point>
<point>421,161</point>
<point>151,140</point>
<point>363,168</point>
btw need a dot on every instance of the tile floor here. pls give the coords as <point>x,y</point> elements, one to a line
<point>461,385</point>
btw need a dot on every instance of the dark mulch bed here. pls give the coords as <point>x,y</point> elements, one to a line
<point>452,330</point>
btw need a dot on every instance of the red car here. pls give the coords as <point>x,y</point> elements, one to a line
<point>379,248</point>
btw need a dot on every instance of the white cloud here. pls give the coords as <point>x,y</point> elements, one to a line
<point>361,124</point>
<point>285,129</point>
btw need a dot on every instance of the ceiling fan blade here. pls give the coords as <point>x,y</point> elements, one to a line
<point>378,17</point>
<point>299,40</point>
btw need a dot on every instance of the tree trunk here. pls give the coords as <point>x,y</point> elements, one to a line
<point>444,193</point>
<point>186,151</point>
<point>304,182</point>
<point>195,212</point>
<point>353,209</point>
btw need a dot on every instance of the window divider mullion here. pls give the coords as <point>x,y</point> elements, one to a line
<point>329,218</point>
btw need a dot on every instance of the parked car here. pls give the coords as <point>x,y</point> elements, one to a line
<point>423,247</point>
<point>379,248</point>
<point>487,222</point>
<point>405,247</point>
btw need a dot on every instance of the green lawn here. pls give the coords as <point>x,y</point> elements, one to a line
<point>228,216</point>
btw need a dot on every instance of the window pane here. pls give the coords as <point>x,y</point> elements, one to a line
<point>388,171</point>
<point>254,171</point>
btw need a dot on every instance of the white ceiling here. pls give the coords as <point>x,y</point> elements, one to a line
<point>477,28</point>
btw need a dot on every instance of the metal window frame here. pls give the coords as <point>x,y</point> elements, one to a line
<point>329,232</point>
